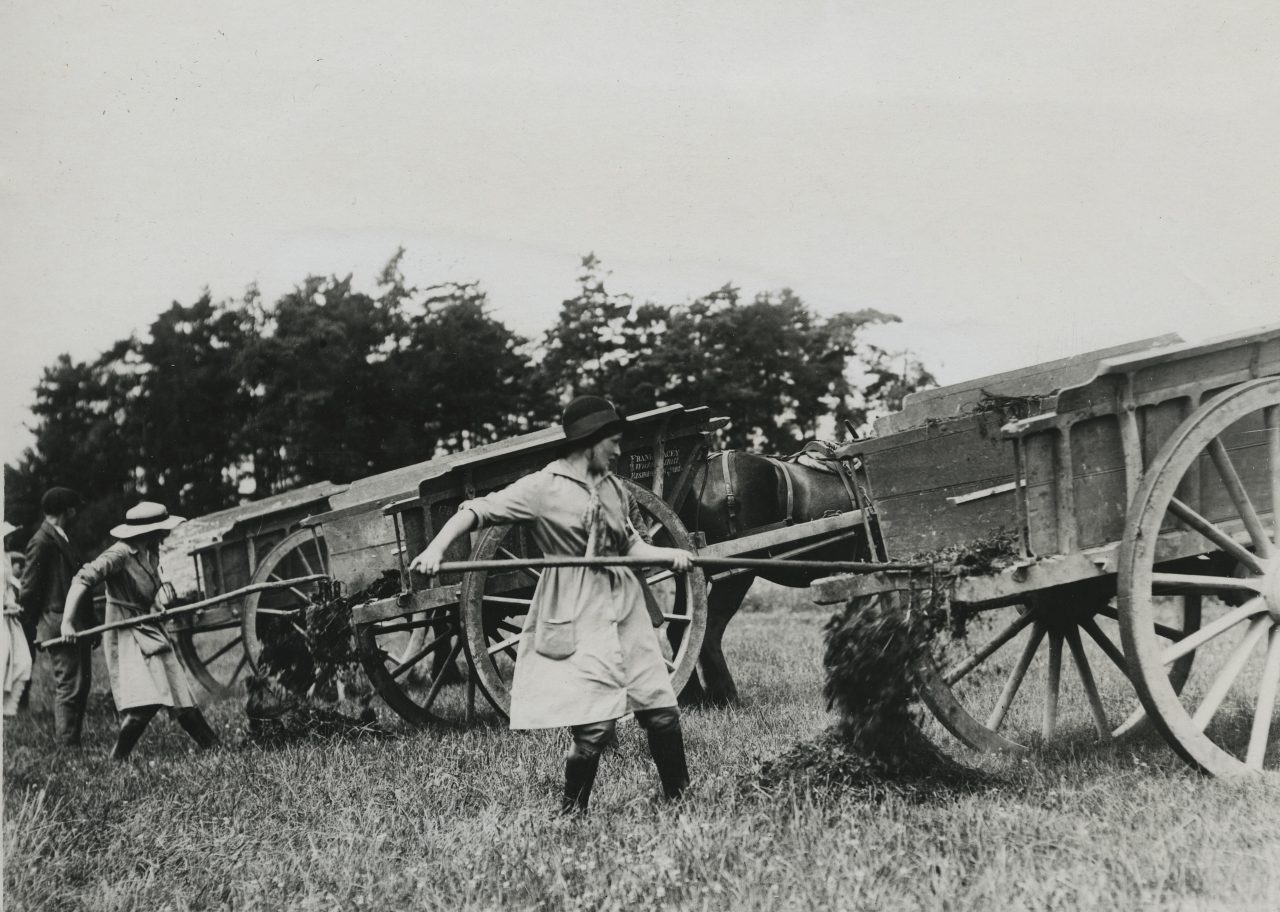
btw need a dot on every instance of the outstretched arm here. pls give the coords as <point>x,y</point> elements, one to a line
<point>679,559</point>
<point>432,555</point>
<point>75,595</point>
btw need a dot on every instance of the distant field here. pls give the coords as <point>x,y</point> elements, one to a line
<point>463,820</point>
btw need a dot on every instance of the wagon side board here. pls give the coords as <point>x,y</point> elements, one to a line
<point>1085,460</point>
<point>946,483</point>
<point>1061,480</point>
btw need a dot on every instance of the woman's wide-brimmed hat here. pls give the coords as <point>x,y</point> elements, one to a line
<point>146,517</point>
<point>590,416</point>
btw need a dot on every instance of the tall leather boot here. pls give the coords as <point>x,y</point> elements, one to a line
<point>131,729</point>
<point>579,776</point>
<point>667,748</point>
<point>193,721</point>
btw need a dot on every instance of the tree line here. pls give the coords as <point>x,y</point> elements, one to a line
<point>223,401</point>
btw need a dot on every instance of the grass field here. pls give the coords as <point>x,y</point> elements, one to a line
<point>463,820</point>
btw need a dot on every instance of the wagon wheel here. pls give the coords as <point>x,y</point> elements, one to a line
<point>212,649</point>
<point>494,605</point>
<point>1229,450</point>
<point>276,614</point>
<point>415,662</point>
<point>1000,685</point>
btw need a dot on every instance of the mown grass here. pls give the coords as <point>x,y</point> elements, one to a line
<point>464,820</point>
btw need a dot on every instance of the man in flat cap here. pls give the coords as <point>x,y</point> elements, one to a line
<point>52,560</point>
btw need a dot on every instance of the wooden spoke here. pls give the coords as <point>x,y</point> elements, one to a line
<point>1230,671</point>
<point>1262,714</point>
<point>508,626</point>
<point>1215,535</point>
<point>1090,686</point>
<point>681,618</point>
<point>505,644</point>
<point>508,600</point>
<point>1179,583</point>
<point>280,612</point>
<point>1015,678</point>
<point>302,556</point>
<point>421,654</point>
<point>301,632</point>
<point>671,666</point>
<point>536,574</point>
<point>442,674</point>
<point>244,660</point>
<point>224,650</point>
<point>1164,630</point>
<point>1217,627</point>
<point>1272,418</point>
<point>989,648</point>
<point>661,577</point>
<point>299,593</point>
<point>1090,626</point>
<point>1240,497</point>
<point>1053,681</point>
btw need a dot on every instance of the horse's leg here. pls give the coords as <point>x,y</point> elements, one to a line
<point>723,602</point>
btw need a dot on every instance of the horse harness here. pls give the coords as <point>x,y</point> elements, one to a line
<point>819,455</point>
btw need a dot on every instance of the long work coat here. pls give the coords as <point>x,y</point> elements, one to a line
<point>144,669</point>
<point>617,666</point>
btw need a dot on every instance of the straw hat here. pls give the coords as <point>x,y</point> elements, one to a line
<point>146,517</point>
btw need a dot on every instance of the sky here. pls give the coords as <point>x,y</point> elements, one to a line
<point>1017,181</point>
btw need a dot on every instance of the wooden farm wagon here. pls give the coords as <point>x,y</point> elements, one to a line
<point>1139,489</point>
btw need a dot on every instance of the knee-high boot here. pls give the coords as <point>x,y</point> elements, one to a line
<point>667,747</point>
<point>132,726</point>
<point>579,776</point>
<point>193,721</point>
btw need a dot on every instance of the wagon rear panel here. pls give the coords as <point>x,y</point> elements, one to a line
<point>942,484</point>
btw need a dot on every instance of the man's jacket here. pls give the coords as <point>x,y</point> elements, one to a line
<point>51,563</point>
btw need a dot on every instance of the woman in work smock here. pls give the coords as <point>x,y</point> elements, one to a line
<point>593,655</point>
<point>144,669</point>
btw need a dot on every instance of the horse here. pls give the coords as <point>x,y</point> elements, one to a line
<point>735,493</point>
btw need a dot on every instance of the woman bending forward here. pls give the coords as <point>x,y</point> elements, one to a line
<point>144,669</point>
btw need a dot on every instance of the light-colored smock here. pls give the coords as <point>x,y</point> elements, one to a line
<point>15,656</point>
<point>137,679</point>
<point>617,666</point>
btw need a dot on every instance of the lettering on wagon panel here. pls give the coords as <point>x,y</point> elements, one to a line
<point>640,465</point>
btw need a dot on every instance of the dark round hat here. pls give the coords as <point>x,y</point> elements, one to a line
<point>57,501</point>
<point>590,416</point>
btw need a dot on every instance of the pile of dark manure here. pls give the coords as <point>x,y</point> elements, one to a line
<point>875,746</point>
<point>302,680</point>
